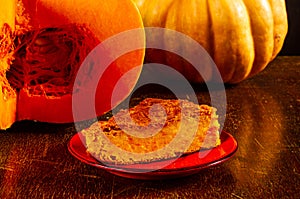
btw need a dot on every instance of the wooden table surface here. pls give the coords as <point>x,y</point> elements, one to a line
<point>262,114</point>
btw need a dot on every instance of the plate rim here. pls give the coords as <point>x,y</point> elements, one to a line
<point>122,169</point>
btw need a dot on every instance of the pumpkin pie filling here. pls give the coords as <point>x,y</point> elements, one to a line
<point>191,126</point>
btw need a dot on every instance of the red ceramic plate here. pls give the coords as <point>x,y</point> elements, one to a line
<point>183,166</point>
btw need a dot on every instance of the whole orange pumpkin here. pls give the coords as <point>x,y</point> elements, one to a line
<point>44,43</point>
<point>242,36</point>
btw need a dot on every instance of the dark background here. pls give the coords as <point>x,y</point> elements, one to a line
<point>292,42</point>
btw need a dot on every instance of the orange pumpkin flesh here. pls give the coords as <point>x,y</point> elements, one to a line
<point>241,36</point>
<point>46,42</point>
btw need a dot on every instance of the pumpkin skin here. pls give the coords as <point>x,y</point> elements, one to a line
<point>101,20</point>
<point>241,36</point>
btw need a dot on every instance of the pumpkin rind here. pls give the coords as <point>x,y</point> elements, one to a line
<point>103,19</point>
<point>262,31</point>
<point>7,95</point>
<point>280,24</point>
<point>242,36</point>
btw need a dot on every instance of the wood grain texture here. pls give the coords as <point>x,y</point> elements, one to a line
<point>262,114</point>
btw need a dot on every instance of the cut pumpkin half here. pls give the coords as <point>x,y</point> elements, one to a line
<point>43,45</point>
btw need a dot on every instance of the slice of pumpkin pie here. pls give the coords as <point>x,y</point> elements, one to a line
<point>155,129</point>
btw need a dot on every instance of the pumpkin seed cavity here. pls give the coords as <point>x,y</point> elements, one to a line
<point>46,61</point>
